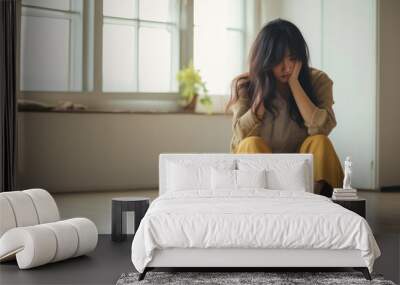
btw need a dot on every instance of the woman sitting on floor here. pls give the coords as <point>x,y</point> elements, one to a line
<point>284,106</point>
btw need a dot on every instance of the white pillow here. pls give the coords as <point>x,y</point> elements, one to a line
<point>223,179</point>
<point>193,174</point>
<point>251,178</point>
<point>237,179</point>
<point>288,179</point>
<point>282,174</point>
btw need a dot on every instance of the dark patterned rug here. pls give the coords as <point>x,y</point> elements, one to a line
<point>225,278</point>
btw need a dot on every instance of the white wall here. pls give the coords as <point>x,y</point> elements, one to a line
<point>349,57</point>
<point>306,14</point>
<point>65,152</point>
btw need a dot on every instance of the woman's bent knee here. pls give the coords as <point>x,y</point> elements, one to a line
<point>315,142</point>
<point>253,144</point>
<point>251,139</point>
<point>320,139</point>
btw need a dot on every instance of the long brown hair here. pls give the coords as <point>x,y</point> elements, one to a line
<point>267,51</point>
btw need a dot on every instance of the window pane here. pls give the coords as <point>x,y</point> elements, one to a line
<point>52,4</point>
<point>221,13</point>
<point>146,53</point>
<point>209,59</point>
<point>44,54</point>
<point>157,10</point>
<point>119,58</point>
<point>235,14</point>
<point>120,8</point>
<point>220,63</point>
<point>154,59</point>
<point>234,56</point>
<point>209,12</point>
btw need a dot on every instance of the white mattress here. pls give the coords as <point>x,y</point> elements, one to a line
<point>250,219</point>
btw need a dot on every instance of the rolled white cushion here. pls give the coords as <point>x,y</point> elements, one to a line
<point>87,233</point>
<point>23,208</point>
<point>67,240</point>
<point>37,245</point>
<point>7,218</point>
<point>33,246</point>
<point>45,205</point>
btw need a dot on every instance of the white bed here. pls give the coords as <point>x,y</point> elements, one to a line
<point>249,227</point>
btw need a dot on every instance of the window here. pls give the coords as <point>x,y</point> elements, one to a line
<point>140,45</point>
<point>219,42</point>
<point>51,45</point>
<point>128,49</point>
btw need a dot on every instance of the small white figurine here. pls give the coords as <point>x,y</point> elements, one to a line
<point>347,174</point>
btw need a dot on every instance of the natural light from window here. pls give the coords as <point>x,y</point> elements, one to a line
<point>219,42</point>
<point>140,45</point>
<point>51,45</point>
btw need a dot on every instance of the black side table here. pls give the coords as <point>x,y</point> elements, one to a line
<point>139,205</point>
<point>355,205</point>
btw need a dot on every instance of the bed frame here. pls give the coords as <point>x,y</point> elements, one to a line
<point>248,257</point>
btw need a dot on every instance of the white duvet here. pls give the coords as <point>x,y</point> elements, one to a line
<point>253,218</point>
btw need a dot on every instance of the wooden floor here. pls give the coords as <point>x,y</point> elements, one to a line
<point>110,259</point>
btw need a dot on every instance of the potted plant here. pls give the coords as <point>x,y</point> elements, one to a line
<point>191,87</point>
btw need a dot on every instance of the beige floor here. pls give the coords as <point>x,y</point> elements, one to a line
<point>383,208</point>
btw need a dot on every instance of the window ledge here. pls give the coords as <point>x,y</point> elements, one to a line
<point>103,104</point>
<point>104,111</point>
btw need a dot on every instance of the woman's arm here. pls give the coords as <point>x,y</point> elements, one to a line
<point>305,105</point>
<point>318,119</point>
<point>245,122</point>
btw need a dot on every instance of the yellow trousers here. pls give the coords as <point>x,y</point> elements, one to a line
<point>326,162</point>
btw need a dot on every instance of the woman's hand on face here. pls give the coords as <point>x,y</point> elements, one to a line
<point>296,71</point>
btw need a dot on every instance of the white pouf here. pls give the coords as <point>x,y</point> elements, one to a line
<point>31,232</point>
